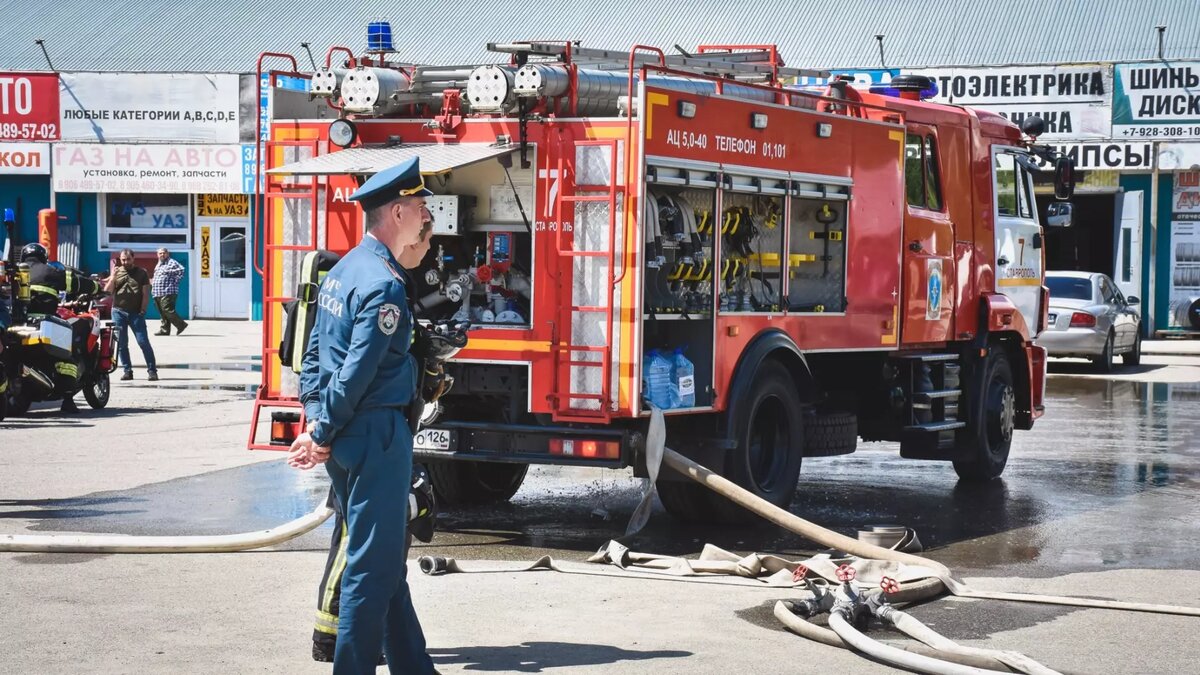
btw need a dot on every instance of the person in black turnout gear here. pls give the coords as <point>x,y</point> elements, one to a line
<point>421,502</point>
<point>46,281</point>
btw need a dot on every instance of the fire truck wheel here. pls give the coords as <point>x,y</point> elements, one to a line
<point>465,482</point>
<point>18,403</point>
<point>986,440</point>
<point>770,443</point>
<point>687,500</point>
<point>97,391</point>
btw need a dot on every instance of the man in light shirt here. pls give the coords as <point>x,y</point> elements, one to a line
<point>165,286</point>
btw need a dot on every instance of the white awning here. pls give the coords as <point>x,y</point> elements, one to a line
<point>435,159</point>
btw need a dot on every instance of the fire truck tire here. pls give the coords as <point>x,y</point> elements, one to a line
<point>770,443</point>
<point>829,434</point>
<point>18,403</point>
<point>985,443</point>
<point>686,500</point>
<point>97,391</point>
<point>461,482</point>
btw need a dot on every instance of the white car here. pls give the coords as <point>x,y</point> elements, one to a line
<point>1090,318</point>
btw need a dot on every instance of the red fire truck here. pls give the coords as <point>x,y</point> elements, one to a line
<point>811,267</point>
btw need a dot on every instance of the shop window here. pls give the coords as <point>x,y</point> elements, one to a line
<point>145,221</point>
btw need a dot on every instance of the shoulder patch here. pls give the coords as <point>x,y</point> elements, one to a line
<point>389,318</point>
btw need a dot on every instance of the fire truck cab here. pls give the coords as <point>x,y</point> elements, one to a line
<point>781,271</point>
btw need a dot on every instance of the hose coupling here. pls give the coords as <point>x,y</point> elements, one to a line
<point>431,564</point>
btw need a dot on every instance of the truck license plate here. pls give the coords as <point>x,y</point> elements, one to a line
<point>432,439</point>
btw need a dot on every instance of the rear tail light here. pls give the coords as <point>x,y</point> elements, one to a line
<point>285,427</point>
<point>1083,320</point>
<point>586,449</point>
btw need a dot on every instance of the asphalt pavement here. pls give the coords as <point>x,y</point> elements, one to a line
<point>1098,500</point>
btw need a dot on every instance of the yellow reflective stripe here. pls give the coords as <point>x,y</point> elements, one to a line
<point>335,573</point>
<point>326,623</point>
<point>3,385</point>
<point>38,288</point>
<point>70,280</point>
<point>65,368</point>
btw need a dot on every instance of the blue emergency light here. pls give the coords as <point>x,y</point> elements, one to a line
<point>379,37</point>
<point>9,216</point>
<point>925,87</point>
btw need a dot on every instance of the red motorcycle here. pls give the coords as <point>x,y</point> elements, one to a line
<point>59,356</point>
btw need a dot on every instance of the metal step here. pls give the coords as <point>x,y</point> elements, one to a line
<point>936,426</point>
<point>938,393</point>
<point>928,358</point>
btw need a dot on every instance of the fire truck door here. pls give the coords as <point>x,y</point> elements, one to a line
<point>928,243</point>
<point>1018,240</point>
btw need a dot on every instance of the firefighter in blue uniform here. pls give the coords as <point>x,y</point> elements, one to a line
<point>358,359</point>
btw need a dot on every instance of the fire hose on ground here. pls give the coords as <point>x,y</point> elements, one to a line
<point>933,654</point>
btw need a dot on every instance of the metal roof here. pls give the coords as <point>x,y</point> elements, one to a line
<point>227,36</point>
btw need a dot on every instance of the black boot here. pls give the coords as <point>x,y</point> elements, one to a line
<point>68,406</point>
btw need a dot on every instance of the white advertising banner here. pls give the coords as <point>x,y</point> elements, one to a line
<point>166,169</point>
<point>1173,156</point>
<point>28,159</point>
<point>1157,100</point>
<point>1074,101</point>
<point>115,107</point>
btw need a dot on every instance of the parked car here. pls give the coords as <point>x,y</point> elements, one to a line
<point>1090,318</point>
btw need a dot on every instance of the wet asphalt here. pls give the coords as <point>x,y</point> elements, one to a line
<point>1106,480</point>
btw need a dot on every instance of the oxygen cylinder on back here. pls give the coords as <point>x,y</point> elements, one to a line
<point>683,381</point>
<point>656,380</point>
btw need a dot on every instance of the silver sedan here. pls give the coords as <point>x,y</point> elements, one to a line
<point>1090,318</point>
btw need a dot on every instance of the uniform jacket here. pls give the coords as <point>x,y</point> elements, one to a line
<point>358,352</point>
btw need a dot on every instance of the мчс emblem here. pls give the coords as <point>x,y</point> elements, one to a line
<point>389,318</point>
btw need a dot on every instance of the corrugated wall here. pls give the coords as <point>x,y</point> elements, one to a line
<point>225,36</point>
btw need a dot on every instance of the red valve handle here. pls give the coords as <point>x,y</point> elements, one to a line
<point>846,573</point>
<point>889,585</point>
<point>484,274</point>
<point>799,573</point>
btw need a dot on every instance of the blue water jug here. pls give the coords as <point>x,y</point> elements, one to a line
<point>683,381</point>
<point>656,380</point>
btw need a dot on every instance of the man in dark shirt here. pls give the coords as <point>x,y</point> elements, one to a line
<point>130,286</point>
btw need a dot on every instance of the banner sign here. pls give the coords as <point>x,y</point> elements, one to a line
<point>29,107</point>
<point>1074,101</point>
<point>1157,101</point>
<point>114,107</point>
<point>1172,156</point>
<point>205,251</point>
<point>863,78</point>
<point>163,169</point>
<point>29,159</point>
<point>1111,156</point>
<point>222,206</point>
<point>1185,246</point>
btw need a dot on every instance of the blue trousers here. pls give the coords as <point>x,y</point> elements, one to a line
<point>371,470</point>
<point>125,321</point>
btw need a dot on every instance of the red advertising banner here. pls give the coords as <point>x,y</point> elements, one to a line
<point>29,107</point>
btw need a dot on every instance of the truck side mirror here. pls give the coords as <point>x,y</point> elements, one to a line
<point>1058,214</point>
<point>1064,178</point>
